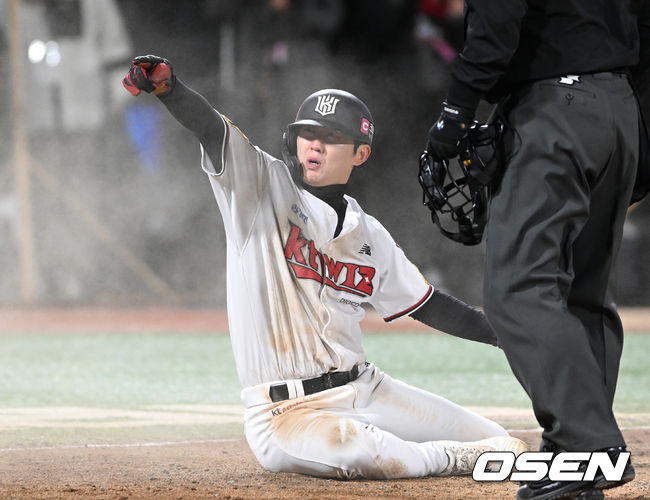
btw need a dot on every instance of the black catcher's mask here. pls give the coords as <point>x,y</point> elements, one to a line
<point>457,190</point>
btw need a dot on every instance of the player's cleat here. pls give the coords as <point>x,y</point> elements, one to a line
<point>463,456</point>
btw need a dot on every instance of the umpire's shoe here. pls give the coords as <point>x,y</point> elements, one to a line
<point>545,489</point>
<point>591,495</point>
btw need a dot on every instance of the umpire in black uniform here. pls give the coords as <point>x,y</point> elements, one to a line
<point>562,69</point>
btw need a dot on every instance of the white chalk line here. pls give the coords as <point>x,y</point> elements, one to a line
<point>215,441</point>
<point>539,429</point>
<point>122,445</point>
<point>115,418</point>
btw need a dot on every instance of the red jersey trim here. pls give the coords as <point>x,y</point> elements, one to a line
<point>412,308</point>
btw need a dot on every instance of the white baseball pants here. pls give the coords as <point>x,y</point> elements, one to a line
<point>375,427</point>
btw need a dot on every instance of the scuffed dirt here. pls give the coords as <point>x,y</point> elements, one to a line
<point>227,469</point>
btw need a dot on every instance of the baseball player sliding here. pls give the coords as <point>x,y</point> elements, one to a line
<point>303,260</point>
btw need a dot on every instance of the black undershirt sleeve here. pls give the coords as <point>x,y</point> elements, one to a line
<point>196,114</point>
<point>451,315</point>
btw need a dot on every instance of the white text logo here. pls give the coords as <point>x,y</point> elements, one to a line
<point>326,105</point>
<point>570,79</point>
<point>535,465</point>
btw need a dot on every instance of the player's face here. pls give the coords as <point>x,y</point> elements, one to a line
<point>327,157</point>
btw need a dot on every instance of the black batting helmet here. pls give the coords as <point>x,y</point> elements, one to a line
<point>333,109</point>
<point>336,110</point>
<point>457,191</point>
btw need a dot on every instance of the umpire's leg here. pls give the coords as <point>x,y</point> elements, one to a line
<point>567,142</point>
<point>596,248</point>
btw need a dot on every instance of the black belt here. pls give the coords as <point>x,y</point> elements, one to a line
<point>280,392</point>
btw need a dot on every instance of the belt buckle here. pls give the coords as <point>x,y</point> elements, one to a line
<point>279,392</point>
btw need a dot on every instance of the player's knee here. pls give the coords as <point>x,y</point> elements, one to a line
<point>281,461</point>
<point>267,458</point>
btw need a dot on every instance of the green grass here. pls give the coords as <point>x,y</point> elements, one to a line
<point>468,373</point>
<point>473,374</point>
<point>116,370</point>
<point>127,371</point>
<point>150,374</point>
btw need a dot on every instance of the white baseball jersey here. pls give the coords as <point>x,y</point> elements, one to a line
<point>295,296</point>
<point>295,293</point>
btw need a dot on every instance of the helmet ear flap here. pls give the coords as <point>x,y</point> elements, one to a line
<point>290,156</point>
<point>289,141</point>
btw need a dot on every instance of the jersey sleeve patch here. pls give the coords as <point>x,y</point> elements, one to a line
<point>414,307</point>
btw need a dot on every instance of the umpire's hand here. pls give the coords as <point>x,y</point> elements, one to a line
<point>447,132</point>
<point>150,73</point>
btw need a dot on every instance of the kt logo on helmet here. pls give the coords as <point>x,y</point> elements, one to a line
<point>343,276</point>
<point>326,105</point>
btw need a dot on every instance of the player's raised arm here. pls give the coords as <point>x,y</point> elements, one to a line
<point>451,315</point>
<point>155,75</point>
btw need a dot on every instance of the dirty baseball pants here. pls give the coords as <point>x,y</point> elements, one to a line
<point>554,230</point>
<point>375,427</point>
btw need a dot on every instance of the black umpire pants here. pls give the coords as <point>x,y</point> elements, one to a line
<point>554,230</point>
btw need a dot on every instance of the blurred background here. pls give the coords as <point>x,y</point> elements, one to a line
<point>102,198</point>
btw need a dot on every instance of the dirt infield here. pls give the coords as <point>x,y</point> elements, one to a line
<point>192,320</point>
<point>227,469</point>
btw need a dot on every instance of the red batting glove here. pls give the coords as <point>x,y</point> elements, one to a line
<point>150,73</point>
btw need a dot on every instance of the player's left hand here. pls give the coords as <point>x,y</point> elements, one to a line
<point>150,73</point>
<point>449,129</point>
